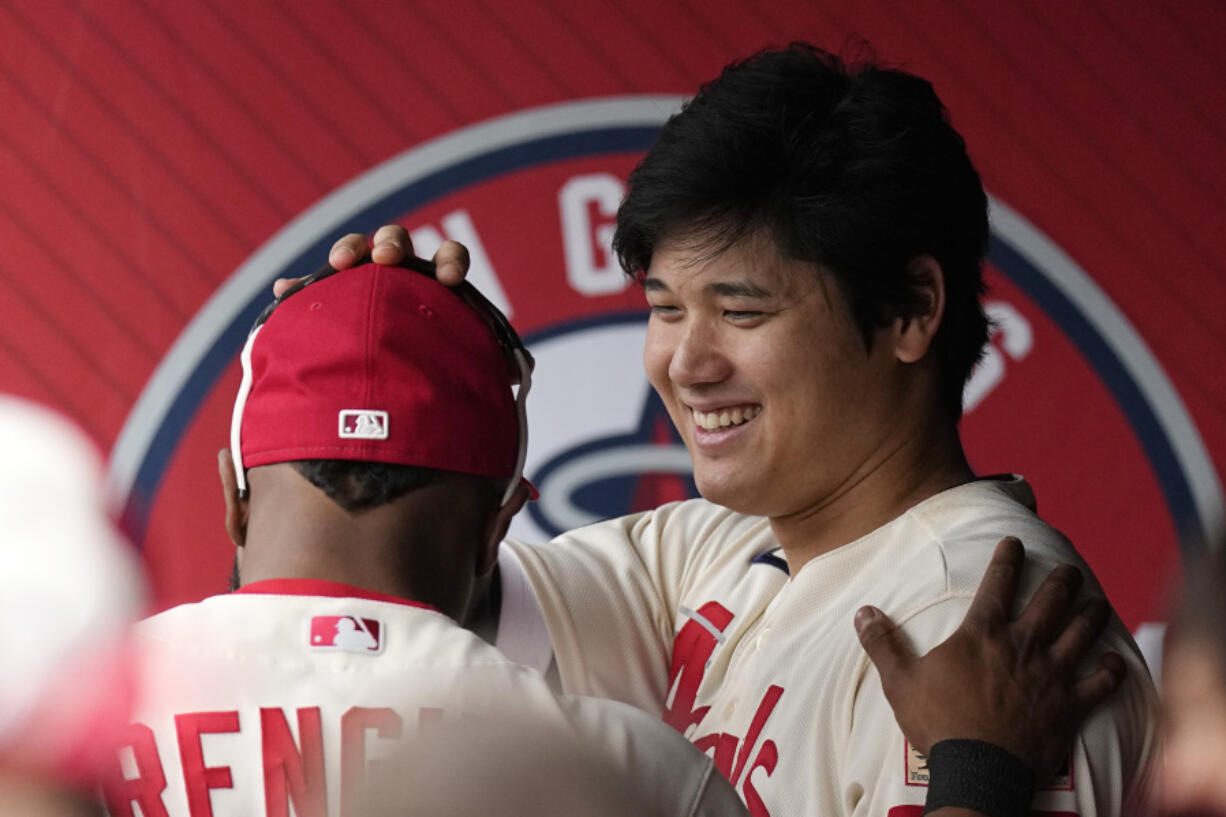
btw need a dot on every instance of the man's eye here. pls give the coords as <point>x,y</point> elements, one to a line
<point>664,310</point>
<point>742,315</point>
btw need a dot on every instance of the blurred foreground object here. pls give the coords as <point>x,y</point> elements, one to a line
<point>514,766</point>
<point>69,588</point>
<point>1194,691</point>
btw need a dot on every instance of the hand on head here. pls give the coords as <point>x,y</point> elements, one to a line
<point>390,245</point>
<point>1012,683</point>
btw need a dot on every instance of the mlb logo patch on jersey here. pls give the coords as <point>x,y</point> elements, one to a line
<point>347,633</point>
<point>362,424</point>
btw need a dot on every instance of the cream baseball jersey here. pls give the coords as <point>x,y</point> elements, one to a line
<point>689,611</point>
<point>276,699</point>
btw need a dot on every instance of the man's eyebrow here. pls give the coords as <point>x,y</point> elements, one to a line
<point>654,285</point>
<point>737,289</point>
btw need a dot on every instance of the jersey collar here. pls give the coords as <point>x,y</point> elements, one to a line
<point>322,587</point>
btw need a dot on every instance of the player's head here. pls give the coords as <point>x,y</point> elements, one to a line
<point>378,400</point>
<point>810,234</point>
<point>848,166</point>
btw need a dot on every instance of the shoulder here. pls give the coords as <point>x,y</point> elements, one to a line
<point>934,556</point>
<point>693,523</point>
<point>299,629</point>
<point>170,623</point>
<point>966,523</point>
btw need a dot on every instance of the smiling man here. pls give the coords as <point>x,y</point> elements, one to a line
<point>810,235</point>
<point>762,366</point>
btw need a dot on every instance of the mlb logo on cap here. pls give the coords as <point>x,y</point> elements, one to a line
<point>346,633</point>
<point>362,424</point>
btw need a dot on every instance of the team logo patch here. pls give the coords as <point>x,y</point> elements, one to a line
<point>362,424</point>
<point>346,633</point>
<point>915,765</point>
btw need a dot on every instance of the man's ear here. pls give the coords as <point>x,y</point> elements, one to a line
<point>236,508</point>
<point>497,528</point>
<point>915,330</point>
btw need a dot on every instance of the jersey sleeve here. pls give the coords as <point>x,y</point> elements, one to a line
<point>1111,766</point>
<point>607,593</point>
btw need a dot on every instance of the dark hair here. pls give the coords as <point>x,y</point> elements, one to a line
<point>849,165</point>
<point>359,486</point>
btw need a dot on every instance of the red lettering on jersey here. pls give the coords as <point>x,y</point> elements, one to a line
<point>766,760</point>
<point>288,773</point>
<point>198,777</point>
<point>354,724</point>
<point>150,781</point>
<point>725,745</point>
<point>692,648</point>
<point>765,708</point>
<point>725,750</point>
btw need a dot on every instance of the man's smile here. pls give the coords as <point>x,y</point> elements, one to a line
<point>725,417</point>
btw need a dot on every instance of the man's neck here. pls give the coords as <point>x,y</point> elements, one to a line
<point>389,549</point>
<point>364,576</point>
<point>896,479</point>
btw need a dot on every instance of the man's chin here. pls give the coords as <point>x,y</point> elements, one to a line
<point>735,495</point>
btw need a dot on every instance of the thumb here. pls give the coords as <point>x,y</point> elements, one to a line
<point>883,641</point>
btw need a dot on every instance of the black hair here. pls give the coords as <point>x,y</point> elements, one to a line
<point>359,485</point>
<point>845,164</point>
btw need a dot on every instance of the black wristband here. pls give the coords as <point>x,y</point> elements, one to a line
<point>980,776</point>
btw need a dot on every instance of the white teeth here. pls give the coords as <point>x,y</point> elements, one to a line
<point>712,420</point>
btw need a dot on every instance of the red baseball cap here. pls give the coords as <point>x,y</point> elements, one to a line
<point>382,364</point>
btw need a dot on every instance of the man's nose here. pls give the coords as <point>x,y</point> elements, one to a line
<point>698,358</point>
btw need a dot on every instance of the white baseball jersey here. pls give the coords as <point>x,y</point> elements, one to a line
<point>689,611</point>
<point>281,694</point>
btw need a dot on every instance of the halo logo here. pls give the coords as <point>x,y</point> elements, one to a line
<point>533,194</point>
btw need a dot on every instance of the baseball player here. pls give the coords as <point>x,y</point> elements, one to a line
<point>377,446</point>
<point>810,237</point>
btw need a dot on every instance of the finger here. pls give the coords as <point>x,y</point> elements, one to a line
<point>883,641</point>
<point>1080,633</point>
<point>391,244</point>
<point>451,263</point>
<point>993,601</point>
<point>280,285</point>
<point>1044,617</point>
<point>348,250</point>
<point>1094,688</point>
